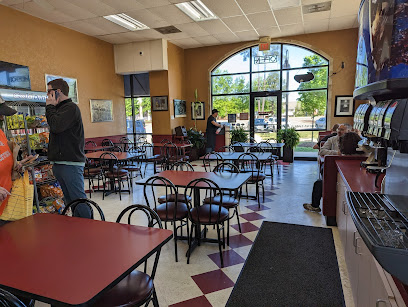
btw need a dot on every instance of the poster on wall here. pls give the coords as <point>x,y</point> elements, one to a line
<point>197,110</point>
<point>101,110</point>
<point>180,108</point>
<point>344,106</point>
<point>72,83</point>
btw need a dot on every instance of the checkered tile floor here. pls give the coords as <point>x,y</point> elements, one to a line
<point>203,282</point>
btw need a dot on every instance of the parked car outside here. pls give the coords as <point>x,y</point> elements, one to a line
<point>320,123</point>
<point>273,123</point>
<point>260,124</point>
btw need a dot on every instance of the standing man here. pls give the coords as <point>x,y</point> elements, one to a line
<point>211,130</point>
<point>66,146</point>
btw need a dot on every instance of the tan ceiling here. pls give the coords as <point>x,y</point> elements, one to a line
<point>239,20</point>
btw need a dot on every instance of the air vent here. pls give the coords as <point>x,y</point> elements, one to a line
<point>168,30</point>
<point>317,7</point>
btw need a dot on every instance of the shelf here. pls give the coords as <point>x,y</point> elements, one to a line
<point>48,181</point>
<point>44,127</point>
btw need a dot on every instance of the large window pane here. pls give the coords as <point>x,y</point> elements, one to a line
<point>266,81</point>
<point>294,56</point>
<point>235,64</point>
<point>129,120</point>
<point>266,60</point>
<point>304,110</point>
<point>290,84</point>
<point>230,84</point>
<point>233,104</point>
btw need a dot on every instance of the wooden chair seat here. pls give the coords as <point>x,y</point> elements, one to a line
<point>227,201</point>
<point>166,211</point>
<point>208,214</point>
<point>172,198</point>
<point>92,171</point>
<point>133,290</point>
<point>115,174</point>
<point>256,177</point>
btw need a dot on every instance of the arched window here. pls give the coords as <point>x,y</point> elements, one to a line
<point>259,91</point>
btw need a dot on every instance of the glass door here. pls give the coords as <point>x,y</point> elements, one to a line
<point>265,116</point>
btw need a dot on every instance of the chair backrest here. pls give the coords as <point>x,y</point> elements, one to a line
<point>165,141</point>
<point>9,300</point>
<point>107,142</point>
<point>226,167</point>
<point>249,163</point>
<point>211,160</point>
<point>237,147</point>
<point>164,185</point>
<point>225,149</point>
<point>211,190</point>
<point>90,144</point>
<point>171,152</point>
<point>107,160</point>
<point>89,203</point>
<point>182,166</point>
<point>252,140</point>
<point>147,148</point>
<point>116,149</point>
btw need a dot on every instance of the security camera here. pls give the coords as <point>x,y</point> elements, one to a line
<point>141,52</point>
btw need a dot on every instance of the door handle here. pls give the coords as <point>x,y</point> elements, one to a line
<point>356,247</point>
<point>354,238</point>
<point>379,301</point>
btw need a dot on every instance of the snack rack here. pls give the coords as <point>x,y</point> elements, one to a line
<point>22,137</point>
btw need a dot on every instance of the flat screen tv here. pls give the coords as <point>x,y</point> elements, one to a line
<point>382,54</point>
<point>14,76</point>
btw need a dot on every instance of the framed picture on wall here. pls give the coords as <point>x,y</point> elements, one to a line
<point>101,110</point>
<point>72,83</point>
<point>344,106</point>
<point>180,108</point>
<point>198,110</point>
<point>160,103</point>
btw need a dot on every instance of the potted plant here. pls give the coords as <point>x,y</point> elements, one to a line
<point>290,137</point>
<point>198,140</point>
<point>238,135</point>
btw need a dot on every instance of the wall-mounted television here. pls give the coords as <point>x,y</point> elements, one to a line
<point>14,76</point>
<point>382,54</point>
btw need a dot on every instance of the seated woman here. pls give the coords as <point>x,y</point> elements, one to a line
<point>348,144</point>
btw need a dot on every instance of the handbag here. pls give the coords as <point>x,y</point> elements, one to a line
<point>20,202</point>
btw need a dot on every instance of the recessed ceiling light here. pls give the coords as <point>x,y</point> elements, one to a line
<point>126,21</point>
<point>196,10</point>
<point>318,7</point>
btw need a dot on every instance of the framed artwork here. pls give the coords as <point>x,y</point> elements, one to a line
<point>180,108</point>
<point>160,103</point>
<point>197,110</point>
<point>344,106</point>
<point>72,83</point>
<point>101,110</point>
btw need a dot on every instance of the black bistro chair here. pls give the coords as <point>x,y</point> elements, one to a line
<point>114,172</point>
<point>205,214</point>
<point>84,202</point>
<point>107,143</point>
<point>249,163</point>
<point>8,299</point>
<point>137,288</point>
<point>211,160</point>
<point>171,209</point>
<point>92,172</point>
<point>182,166</point>
<point>150,157</point>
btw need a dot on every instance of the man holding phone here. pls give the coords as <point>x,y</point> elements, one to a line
<point>66,144</point>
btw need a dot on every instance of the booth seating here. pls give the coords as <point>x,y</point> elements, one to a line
<point>329,186</point>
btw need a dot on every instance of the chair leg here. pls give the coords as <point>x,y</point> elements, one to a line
<point>175,239</point>
<point>263,192</point>
<point>120,188</point>
<point>228,225</point>
<point>239,224</point>
<point>257,194</point>
<point>219,244</point>
<point>154,299</point>
<point>190,239</point>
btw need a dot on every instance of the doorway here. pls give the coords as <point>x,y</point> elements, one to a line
<point>265,115</point>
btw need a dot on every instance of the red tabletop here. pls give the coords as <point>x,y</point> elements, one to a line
<point>177,144</point>
<point>119,155</point>
<point>98,148</point>
<point>235,156</point>
<point>356,178</point>
<point>52,257</point>
<point>274,145</point>
<point>225,180</point>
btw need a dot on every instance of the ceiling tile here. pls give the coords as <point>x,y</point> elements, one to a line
<point>247,35</point>
<point>193,29</point>
<point>279,4</point>
<point>171,14</point>
<point>224,8</point>
<point>115,39</point>
<point>238,23</point>
<point>307,2</point>
<point>134,36</point>
<point>345,22</point>
<point>288,16</point>
<point>289,30</point>
<point>207,40</point>
<point>316,16</point>
<point>123,5</point>
<point>95,6</point>
<point>151,34</point>
<point>152,3</point>
<point>269,31</point>
<point>227,38</point>
<point>72,10</point>
<point>177,1</point>
<point>262,20</point>
<point>254,6</point>
<point>214,26</point>
<point>316,26</point>
<point>179,35</point>
<point>84,27</point>
<point>148,18</point>
<point>186,43</point>
<point>43,13</point>
<point>11,2</point>
<point>341,8</point>
<point>107,26</point>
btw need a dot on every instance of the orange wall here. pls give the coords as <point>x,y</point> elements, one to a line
<point>337,45</point>
<point>47,48</point>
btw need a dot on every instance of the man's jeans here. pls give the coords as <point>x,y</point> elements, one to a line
<point>71,179</point>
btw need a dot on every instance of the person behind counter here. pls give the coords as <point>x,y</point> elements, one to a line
<point>348,144</point>
<point>211,130</point>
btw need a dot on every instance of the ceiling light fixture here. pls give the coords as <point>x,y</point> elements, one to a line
<point>196,10</point>
<point>126,21</point>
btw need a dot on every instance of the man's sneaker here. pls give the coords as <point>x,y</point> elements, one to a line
<point>311,208</point>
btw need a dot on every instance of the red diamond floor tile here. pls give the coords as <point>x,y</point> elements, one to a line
<point>257,208</point>
<point>245,227</point>
<point>253,216</point>
<point>200,301</point>
<point>230,258</point>
<point>212,281</point>
<point>239,241</point>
